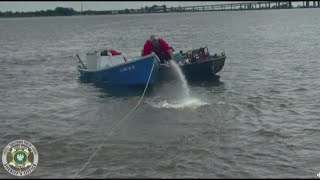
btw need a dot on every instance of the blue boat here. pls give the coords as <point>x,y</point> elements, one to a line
<point>119,71</point>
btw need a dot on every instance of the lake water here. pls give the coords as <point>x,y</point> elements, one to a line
<point>260,118</point>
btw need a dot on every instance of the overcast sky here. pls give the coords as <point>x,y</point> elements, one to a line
<point>95,5</point>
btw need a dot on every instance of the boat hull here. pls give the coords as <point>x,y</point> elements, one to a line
<point>134,72</point>
<point>198,69</point>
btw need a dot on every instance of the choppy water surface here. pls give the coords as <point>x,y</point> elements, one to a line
<point>258,119</point>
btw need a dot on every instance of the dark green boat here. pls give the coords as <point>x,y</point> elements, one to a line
<point>196,63</point>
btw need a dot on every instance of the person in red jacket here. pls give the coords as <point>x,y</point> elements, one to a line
<point>160,47</point>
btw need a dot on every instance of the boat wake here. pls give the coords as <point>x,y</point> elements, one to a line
<point>191,103</point>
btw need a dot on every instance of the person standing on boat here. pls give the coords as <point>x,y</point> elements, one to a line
<point>160,47</point>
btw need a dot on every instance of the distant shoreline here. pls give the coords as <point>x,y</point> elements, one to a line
<point>62,11</point>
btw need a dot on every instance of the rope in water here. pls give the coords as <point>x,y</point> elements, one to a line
<point>119,122</point>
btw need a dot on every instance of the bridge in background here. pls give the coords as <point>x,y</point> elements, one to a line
<point>248,6</point>
<point>259,5</point>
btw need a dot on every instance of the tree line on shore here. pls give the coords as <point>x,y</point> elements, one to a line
<point>63,11</point>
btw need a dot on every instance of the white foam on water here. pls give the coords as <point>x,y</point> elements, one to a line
<point>187,102</point>
<point>191,103</point>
